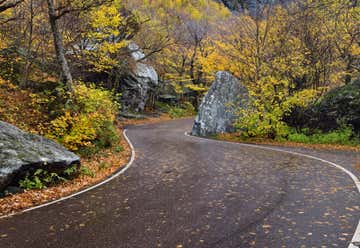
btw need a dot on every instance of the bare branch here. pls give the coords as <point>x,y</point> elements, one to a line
<point>5,4</point>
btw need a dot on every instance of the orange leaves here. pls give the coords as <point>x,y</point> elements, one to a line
<point>13,102</point>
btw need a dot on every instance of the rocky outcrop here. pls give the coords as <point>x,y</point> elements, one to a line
<point>218,109</point>
<point>137,84</point>
<point>21,152</point>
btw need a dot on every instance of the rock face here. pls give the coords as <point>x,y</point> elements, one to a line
<point>137,85</point>
<point>341,106</point>
<point>247,4</point>
<point>21,152</point>
<point>217,111</point>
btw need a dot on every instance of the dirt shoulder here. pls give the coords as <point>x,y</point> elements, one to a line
<point>150,120</point>
<point>147,120</point>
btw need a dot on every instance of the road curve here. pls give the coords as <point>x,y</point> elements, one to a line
<point>188,192</point>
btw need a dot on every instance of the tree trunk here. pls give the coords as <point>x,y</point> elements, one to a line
<point>59,48</point>
<point>28,63</point>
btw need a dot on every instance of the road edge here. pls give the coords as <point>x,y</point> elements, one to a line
<point>112,177</point>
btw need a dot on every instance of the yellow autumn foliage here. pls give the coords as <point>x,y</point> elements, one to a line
<point>89,121</point>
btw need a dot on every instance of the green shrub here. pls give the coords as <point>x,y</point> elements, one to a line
<point>71,171</point>
<point>86,171</point>
<point>183,110</point>
<point>119,149</point>
<point>104,165</point>
<point>299,137</point>
<point>34,183</point>
<point>163,107</point>
<point>177,112</point>
<point>271,99</point>
<point>106,135</point>
<point>41,179</point>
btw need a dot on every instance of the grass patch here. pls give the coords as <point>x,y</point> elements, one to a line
<point>86,171</point>
<point>118,149</point>
<point>337,140</point>
<point>338,137</point>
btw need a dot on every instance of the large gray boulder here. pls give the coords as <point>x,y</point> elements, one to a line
<point>137,85</point>
<point>21,152</point>
<point>219,108</point>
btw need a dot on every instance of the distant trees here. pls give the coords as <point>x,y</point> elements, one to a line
<point>109,31</point>
<point>25,26</point>
<point>287,56</point>
<point>57,12</point>
<point>235,4</point>
<point>307,44</point>
<point>329,33</point>
<point>175,36</point>
<point>185,28</point>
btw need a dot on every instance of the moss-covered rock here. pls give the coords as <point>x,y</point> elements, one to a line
<point>340,107</point>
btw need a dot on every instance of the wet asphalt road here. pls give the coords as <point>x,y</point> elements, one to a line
<point>186,192</point>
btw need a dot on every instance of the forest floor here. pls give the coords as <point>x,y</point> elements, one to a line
<point>147,120</point>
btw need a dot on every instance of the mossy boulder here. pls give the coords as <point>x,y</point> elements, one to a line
<point>338,108</point>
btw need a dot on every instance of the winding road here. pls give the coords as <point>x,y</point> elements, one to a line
<point>188,192</point>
